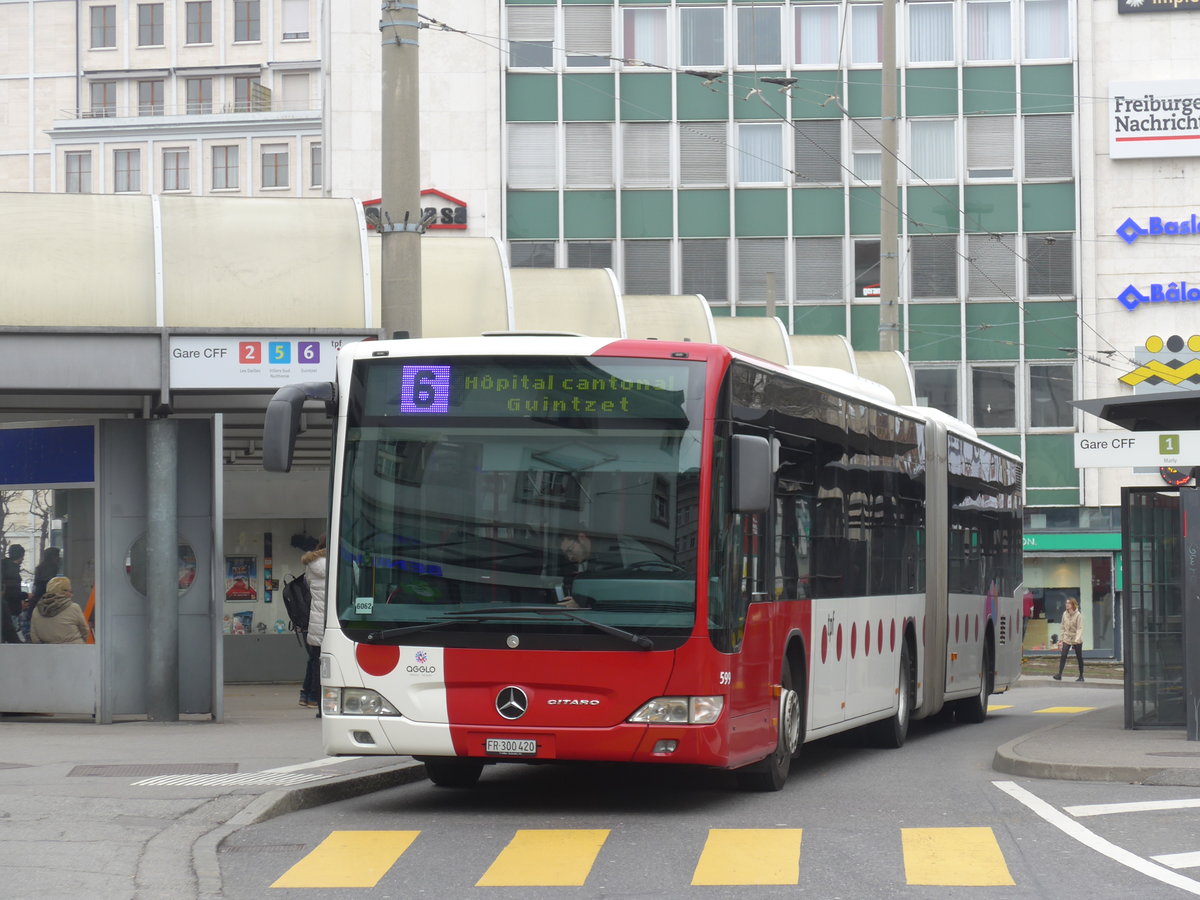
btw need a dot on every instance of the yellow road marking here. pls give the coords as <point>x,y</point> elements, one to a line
<point>550,857</point>
<point>348,859</point>
<point>1065,709</point>
<point>750,856</point>
<point>993,707</point>
<point>953,856</point>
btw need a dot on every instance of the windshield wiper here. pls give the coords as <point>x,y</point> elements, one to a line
<point>481,616</point>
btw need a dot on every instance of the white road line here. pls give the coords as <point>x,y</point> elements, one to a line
<point>315,764</point>
<point>1092,840</point>
<point>1107,809</point>
<point>1179,860</point>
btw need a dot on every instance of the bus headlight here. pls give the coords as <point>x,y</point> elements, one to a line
<point>355,702</point>
<point>680,711</point>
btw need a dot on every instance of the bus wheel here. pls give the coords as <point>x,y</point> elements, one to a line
<point>892,732</point>
<point>975,709</point>
<point>453,772</point>
<point>771,774</point>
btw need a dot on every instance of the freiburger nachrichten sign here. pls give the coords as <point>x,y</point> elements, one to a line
<point>1153,119</point>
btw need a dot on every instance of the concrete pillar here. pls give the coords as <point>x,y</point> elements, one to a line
<point>162,570</point>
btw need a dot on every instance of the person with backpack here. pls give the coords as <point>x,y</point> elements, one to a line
<point>315,572</point>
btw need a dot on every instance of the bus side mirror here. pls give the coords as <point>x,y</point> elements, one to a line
<point>753,473</point>
<point>282,422</point>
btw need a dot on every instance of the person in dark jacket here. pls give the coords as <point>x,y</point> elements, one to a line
<point>13,596</point>
<point>46,569</point>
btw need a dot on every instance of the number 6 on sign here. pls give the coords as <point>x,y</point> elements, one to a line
<point>425,389</point>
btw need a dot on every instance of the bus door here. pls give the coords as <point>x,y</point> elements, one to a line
<point>831,615</point>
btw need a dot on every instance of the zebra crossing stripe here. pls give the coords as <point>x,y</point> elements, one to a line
<point>348,859</point>
<point>738,856</point>
<point>546,857</point>
<point>953,857</point>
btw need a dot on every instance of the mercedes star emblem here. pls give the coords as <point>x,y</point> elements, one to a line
<point>512,703</point>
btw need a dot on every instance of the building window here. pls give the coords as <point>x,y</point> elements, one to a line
<point>532,155</point>
<point>930,32</point>
<point>865,148</point>
<point>702,37</point>
<point>1050,265</point>
<point>762,271</point>
<point>530,37</point>
<point>760,153</point>
<point>647,267</point>
<point>759,37</point>
<point>819,269</point>
<point>104,27</point>
<point>199,22</point>
<point>644,162</point>
<point>150,24</point>
<point>818,39</point>
<point>150,98</point>
<point>993,397</point>
<point>866,34</point>
<point>175,170</point>
<point>989,31</point>
<point>316,167</point>
<point>295,20</point>
<point>704,268</point>
<point>244,89</point>
<point>531,254</point>
<point>275,166</point>
<point>588,154</point>
<point>246,22</point>
<point>991,266</point>
<point>295,91</point>
<point>990,146</point>
<point>645,36</point>
<point>1047,29</point>
<point>589,254</point>
<point>104,99</point>
<point>127,171</point>
<point>1048,147</point>
<point>932,150</point>
<point>225,168</point>
<point>199,96</point>
<point>866,269</point>
<point>587,34</point>
<point>1051,388</point>
<point>703,154</point>
<point>818,151</point>
<point>79,172</point>
<point>934,266</point>
<point>937,388</point>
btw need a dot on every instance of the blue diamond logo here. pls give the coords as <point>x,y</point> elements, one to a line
<point>1129,231</point>
<point>1131,297</point>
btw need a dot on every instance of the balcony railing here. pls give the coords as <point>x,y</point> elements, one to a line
<point>191,108</point>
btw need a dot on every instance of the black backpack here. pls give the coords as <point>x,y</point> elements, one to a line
<point>297,598</point>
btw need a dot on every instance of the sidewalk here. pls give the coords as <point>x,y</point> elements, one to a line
<point>139,809</point>
<point>1095,746</point>
<point>81,791</point>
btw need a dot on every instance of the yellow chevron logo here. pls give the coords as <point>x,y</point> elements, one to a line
<point>1157,369</point>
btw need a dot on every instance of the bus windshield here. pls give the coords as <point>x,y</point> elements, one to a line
<point>474,489</point>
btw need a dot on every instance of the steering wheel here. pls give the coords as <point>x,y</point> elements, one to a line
<point>652,565</point>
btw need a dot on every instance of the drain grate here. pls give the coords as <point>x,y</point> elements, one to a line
<point>146,771</point>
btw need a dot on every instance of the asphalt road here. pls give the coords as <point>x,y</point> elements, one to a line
<point>930,820</point>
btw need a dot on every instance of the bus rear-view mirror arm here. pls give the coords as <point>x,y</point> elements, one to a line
<point>282,422</point>
<point>753,473</point>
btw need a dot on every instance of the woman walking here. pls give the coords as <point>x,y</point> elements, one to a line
<point>1071,635</point>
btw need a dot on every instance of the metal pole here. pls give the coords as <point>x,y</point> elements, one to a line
<point>400,209</point>
<point>889,278</point>
<point>162,570</point>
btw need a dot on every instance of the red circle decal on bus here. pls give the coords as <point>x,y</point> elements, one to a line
<point>853,639</point>
<point>879,644</point>
<point>376,660</point>
<point>893,635</point>
<point>957,629</point>
<point>839,643</point>
<point>867,638</point>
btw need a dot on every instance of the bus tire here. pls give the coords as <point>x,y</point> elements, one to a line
<point>771,774</point>
<point>893,731</point>
<point>975,709</point>
<point>453,772</point>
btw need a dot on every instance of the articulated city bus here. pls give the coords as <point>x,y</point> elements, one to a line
<point>562,548</point>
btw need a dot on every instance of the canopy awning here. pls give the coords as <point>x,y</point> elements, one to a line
<point>1147,412</point>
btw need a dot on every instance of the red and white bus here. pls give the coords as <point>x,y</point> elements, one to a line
<point>770,555</point>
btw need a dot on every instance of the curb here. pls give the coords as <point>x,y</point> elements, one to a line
<point>279,803</point>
